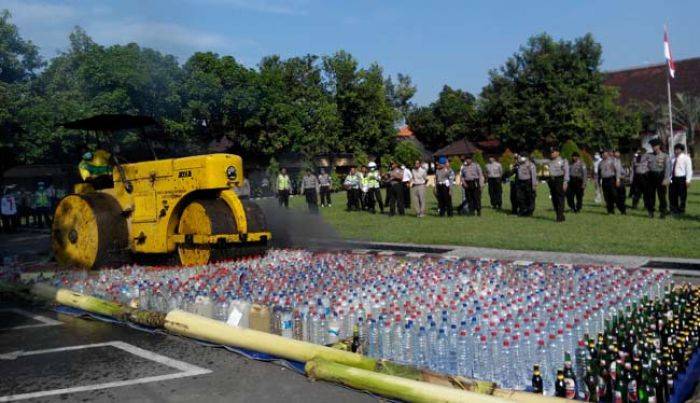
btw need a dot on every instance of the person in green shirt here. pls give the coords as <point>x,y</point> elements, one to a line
<point>283,188</point>
<point>42,206</point>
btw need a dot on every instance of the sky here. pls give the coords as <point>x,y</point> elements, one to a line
<point>434,42</point>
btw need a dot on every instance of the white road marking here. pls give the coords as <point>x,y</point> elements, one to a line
<point>44,321</point>
<point>185,369</point>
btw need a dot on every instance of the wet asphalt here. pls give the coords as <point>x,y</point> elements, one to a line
<point>233,378</point>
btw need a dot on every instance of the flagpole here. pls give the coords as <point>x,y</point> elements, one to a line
<point>669,65</point>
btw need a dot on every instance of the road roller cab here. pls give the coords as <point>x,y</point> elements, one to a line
<point>181,207</point>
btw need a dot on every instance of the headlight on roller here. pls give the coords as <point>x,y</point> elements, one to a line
<point>231,173</point>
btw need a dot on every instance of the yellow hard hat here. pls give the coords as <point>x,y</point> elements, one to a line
<point>101,158</point>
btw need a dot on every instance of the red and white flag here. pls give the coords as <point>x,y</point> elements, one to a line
<point>667,54</point>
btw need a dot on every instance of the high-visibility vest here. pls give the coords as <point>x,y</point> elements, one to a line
<point>282,182</point>
<point>42,198</point>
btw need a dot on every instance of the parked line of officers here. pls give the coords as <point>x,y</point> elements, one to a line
<point>26,208</point>
<point>652,176</point>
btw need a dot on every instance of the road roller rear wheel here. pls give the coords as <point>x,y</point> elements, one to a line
<point>89,231</point>
<point>203,217</point>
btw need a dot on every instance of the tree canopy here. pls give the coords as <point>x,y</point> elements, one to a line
<point>551,91</point>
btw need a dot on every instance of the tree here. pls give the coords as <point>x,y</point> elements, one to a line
<point>550,91</point>
<point>451,117</point>
<point>400,94</point>
<point>19,62</point>
<point>407,153</point>
<point>686,113</point>
<point>568,149</point>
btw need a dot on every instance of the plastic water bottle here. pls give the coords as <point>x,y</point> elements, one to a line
<point>385,341</point>
<point>518,364</point>
<point>441,354</point>
<point>373,339</point>
<point>422,354</point>
<point>452,352</point>
<point>408,345</point>
<point>545,371</point>
<point>221,309</point>
<point>463,362</point>
<point>333,333</point>
<point>482,358</point>
<point>286,324</point>
<point>505,372</point>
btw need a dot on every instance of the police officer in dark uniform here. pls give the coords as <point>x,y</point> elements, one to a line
<point>526,186</point>
<point>659,172</point>
<point>609,175</point>
<point>639,178</point>
<point>558,182</point>
<point>578,175</point>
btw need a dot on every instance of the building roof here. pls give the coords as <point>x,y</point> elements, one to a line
<point>404,131</point>
<point>648,84</point>
<point>459,147</point>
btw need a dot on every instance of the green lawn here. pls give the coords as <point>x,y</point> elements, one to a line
<point>591,231</point>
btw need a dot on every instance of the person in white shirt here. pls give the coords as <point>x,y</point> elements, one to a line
<point>8,207</point>
<point>681,175</point>
<point>418,183</point>
<point>406,181</point>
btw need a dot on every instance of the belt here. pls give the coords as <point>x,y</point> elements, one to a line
<point>679,177</point>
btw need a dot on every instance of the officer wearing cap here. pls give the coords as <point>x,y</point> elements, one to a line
<point>472,181</point>
<point>578,174</point>
<point>558,181</point>
<point>610,175</point>
<point>513,172</point>
<point>526,186</point>
<point>639,177</point>
<point>396,190</point>
<point>309,185</point>
<point>494,172</point>
<point>443,181</point>
<point>374,194</point>
<point>659,172</point>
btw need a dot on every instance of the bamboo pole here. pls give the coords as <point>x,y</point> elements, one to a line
<point>77,300</point>
<point>391,386</point>
<point>199,327</point>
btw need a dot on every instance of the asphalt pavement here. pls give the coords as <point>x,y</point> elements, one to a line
<point>57,357</point>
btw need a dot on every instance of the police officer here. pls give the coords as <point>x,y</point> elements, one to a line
<point>352,187</point>
<point>526,186</point>
<point>610,175</point>
<point>419,181</point>
<point>513,178</point>
<point>283,188</point>
<point>558,181</point>
<point>659,172</point>
<point>309,185</point>
<point>639,179</point>
<point>324,181</point>
<point>472,181</point>
<point>578,175</point>
<point>364,188</point>
<point>397,189</point>
<point>494,172</point>
<point>42,206</point>
<point>443,182</point>
<point>8,210</point>
<point>374,193</point>
<point>621,191</point>
<point>681,175</point>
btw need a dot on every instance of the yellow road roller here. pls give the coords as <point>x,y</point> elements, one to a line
<point>181,208</point>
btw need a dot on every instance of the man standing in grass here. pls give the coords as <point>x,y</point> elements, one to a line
<point>681,175</point>
<point>419,180</point>
<point>283,188</point>
<point>558,182</point>
<point>610,175</point>
<point>472,181</point>
<point>494,171</point>
<point>443,182</point>
<point>374,194</point>
<point>396,190</point>
<point>526,186</point>
<point>659,172</point>
<point>352,187</point>
<point>639,173</point>
<point>324,180</point>
<point>309,185</point>
<point>578,175</point>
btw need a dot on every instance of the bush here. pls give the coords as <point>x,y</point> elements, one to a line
<point>455,163</point>
<point>406,153</point>
<point>568,149</point>
<point>273,168</point>
<point>507,160</point>
<point>361,159</point>
<point>336,181</point>
<point>537,155</point>
<point>479,159</point>
<point>587,159</point>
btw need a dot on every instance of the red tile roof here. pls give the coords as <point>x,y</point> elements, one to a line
<point>404,131</point>
<point>649,83</point>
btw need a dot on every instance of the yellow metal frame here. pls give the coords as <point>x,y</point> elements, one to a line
<point>215,239</point>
